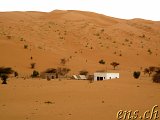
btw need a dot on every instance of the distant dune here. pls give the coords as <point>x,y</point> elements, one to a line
<point>83,38</point>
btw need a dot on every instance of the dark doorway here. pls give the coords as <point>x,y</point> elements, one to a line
<point>52,77</point>
<point>101,78</point>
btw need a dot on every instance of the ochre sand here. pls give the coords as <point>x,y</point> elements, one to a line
<point>76,99</point>
<point>83,38</point>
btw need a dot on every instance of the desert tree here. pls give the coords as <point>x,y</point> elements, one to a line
<point>4,72</point>
<point>114,64</point>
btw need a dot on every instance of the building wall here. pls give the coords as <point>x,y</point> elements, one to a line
<point>105,76</point>
<point>112,75</point>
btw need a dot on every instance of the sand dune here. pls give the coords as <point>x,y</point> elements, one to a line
<point>82,38</point>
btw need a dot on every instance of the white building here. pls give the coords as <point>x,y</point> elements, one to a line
<point>105,76</point>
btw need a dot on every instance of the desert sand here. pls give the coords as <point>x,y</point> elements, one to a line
<point>75,100</point>
<point>82,38</point>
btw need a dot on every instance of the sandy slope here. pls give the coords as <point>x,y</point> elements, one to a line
<point>76,36</point>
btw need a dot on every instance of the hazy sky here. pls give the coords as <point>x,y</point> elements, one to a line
<point>146,9</point>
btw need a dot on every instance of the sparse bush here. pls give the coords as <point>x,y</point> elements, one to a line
<point>126,40</point>
<point>63,61</point>
<point>149,51</point>
<point>102,30</point>
<point>25,46</point>
<point>136,74</point>
<point>33,65</point>
<point>97,34</point>
<point>114,42</point>
<point>83,72</point>
<point>35,74</point>
<point>102,61</point>
<point>9,37</point>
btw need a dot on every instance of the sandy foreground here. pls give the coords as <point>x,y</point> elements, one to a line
<point>37,99</point>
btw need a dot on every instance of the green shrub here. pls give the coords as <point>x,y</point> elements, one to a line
<point>136,74</point>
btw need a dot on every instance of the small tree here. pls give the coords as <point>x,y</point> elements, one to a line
<point>35,74</point>
<point>4,72</point>
<point>4,78</point>
<point>136,74</point>
<point>114,64</point>
<point>33,65</point>
<point>102,61</point>
<point>83,72</point>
